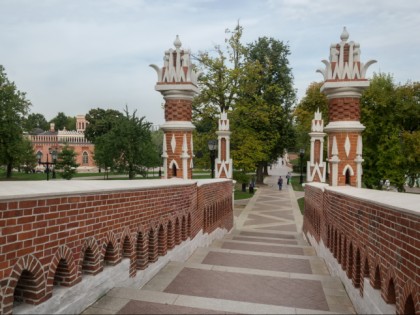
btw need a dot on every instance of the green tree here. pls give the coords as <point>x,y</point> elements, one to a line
<point>35,120</point>
<point>100,122</point>
<point>313,100</point>
<point>62,121</point>
<point>128,145</point>
<point>13,108</point>
<point>391,115</point>
<point>253,83</point>
<point>66,161</point>
<point>27,157</point>
<point>272,93</point>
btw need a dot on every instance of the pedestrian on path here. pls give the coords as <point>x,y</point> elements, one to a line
<point>288,176</point>
<point>280,182</point>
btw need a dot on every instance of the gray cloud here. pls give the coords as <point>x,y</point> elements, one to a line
<point>72,56</point>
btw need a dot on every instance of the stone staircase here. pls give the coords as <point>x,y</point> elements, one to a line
<point>263,266</point>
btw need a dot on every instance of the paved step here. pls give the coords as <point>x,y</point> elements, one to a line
<point>264,266</point>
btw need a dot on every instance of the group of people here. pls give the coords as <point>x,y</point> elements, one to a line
<point>280,180</point>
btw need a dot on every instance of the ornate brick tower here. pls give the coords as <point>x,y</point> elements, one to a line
<point>223,160</point>
<point>345,81</point>
<point>316,167</point>
<point>177,81</point>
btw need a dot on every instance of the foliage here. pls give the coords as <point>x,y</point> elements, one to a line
<point>391,115</point>
<point>66,161</point>
<point>127,146</point>
<point>13,108</point>
<point>241,177</point>
<point>100,121</point>
<point>34,121</point>
<point>27,158</point>
<point>253,83</point>
<point>313,100</point>
<point>61,121</point>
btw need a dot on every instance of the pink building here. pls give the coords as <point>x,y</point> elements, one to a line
<point>45,142</point>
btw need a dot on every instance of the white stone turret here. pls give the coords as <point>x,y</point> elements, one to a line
<point>316,167</point>
<point>177,81</point>
<point>223,161</point>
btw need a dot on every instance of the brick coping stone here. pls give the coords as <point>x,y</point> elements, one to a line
<point>409,203</point>
<point>30,189</point>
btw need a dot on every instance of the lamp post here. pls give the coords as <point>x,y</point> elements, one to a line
<point>301,153</point>
<point>212,144</point>
<point>48,163</point>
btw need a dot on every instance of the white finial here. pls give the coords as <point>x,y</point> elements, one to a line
<point>177,42</point>
<point>345,35</point>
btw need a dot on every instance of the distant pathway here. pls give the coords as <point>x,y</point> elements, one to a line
<point>263,266</point>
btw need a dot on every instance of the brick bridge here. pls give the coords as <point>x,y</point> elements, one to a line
<point>96,235</point>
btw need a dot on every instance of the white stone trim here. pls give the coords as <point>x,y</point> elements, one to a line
<point>344,126</point>
<point>177,125</point>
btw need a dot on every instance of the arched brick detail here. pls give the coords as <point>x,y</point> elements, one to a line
<point>33,291</point>
<point>339,248</point>
<point>344,253</point>
<point>170,235</point>
<point>90,257</point>
<point>189,224</point>
<point>162,239</point>
<point>350,259</point>
<point>376,277</point>
<point>335,250</point>
<point>408,301</point>
<point>152,236</point>
<point>142,248</point>
<point>178,238</point>
<point>389,292</point>
<point>63,269</point>
<point>126,243</point>
<point>184,235</point>
<point>357,269</point>
<point>110,250</point>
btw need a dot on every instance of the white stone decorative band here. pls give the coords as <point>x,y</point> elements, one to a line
<point>177,125</point>
<point>337,126</point>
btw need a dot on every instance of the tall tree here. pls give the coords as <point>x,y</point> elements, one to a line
<point>66,161</point>
<point>35,120</point>
<point>313,100</point>
<point>100,122</point>
<point>62,121</point>
<point>254,83</point>
<point>13,108</point>
<point>391,115</point>
<point>273,94</point>
<point>128,145</point>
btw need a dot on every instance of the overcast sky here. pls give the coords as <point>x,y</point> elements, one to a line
<point>71,56</point>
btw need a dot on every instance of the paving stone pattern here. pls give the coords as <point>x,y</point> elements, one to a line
<point>264,266</point>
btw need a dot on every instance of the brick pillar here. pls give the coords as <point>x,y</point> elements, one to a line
<point>345,81</point>
<point>223,161</point>
<point>177,82</point>
<point>315,170</point>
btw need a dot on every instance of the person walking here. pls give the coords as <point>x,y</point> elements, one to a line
<point>288,176</point>
<point>280,182</point>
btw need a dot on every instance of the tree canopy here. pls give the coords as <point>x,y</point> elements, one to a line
<point>391,140</point>
<point>123,141</point>
<point>13,108</point>
<point>253,83</point>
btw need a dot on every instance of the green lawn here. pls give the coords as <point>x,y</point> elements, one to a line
<point>295,183</point>
<point>301,203</point>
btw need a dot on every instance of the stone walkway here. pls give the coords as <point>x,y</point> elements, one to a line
<point>264,266</point>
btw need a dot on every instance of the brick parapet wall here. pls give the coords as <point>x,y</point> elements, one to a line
<point>55,240</point>
<point>370,238</point>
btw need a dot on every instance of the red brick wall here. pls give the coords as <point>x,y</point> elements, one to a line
<point>55,241</point>
<point>178,110</point>
<point>176,155</point>
<point>369,240</point>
